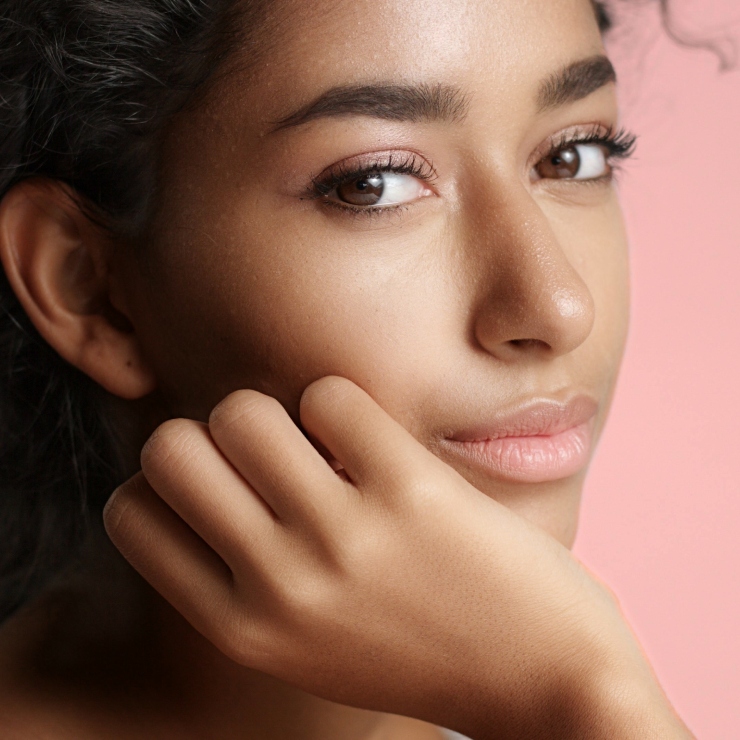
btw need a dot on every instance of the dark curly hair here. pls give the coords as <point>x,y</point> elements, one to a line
<point>85,89</point>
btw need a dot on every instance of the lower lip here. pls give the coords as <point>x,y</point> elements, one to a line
<point>534,459</point>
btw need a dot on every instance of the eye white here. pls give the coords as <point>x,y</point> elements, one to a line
<point>400,188</point>
<point>593,160</point>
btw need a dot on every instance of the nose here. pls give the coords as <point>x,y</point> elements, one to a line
<point>531,299</point>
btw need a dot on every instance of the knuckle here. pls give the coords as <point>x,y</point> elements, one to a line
<point>245,408</point>
<point>328,391</point>
<point>244,635</point>
<point>172,443</point>
<point>305,599</point>
<point>122,514</point>
<point>233,635</point>
<point>363,551</point>
<point>115,512</point>
<point>298,591</point>
<point>414,492</point>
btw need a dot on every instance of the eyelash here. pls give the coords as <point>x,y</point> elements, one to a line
<point>619,145</point>
<point>407,164</point>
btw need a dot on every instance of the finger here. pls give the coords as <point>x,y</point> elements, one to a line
<point>187,470</point>
<point>369,444</point>
<point>167,553</point>
<point>263,443</point>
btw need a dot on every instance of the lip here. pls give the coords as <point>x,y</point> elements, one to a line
<point>538,441</point>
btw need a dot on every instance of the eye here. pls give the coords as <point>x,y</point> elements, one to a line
<point>575,162</point>
<point>379,189</point>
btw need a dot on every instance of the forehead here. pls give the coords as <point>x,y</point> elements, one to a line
<point>307,48</point>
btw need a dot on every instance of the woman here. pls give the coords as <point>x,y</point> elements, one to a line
<point>358,275</point>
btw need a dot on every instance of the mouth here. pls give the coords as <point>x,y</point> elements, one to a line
<point>542,440</point>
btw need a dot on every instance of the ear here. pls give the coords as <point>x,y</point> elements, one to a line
<point>58,264</point>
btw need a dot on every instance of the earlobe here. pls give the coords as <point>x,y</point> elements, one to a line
<point>57,263</point>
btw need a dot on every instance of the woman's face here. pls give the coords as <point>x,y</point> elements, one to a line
<point>387,192</point>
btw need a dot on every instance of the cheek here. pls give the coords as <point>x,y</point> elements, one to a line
<point>275,315</point>
<point>611,293</point>
<point>595,242</point>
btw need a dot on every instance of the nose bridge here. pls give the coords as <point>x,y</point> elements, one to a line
<point>531,296</point>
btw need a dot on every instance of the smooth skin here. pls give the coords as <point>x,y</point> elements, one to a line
<point>401,579</point>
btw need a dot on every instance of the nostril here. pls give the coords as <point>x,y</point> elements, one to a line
<point>528,343</point>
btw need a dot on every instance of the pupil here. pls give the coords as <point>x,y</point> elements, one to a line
<point>363,191</point>
<point>562,165</point>
<point>567,162</point>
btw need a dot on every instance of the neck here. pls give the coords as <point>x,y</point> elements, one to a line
<point>105,637</point>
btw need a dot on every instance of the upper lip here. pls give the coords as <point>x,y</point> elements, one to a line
<point>539,417</point>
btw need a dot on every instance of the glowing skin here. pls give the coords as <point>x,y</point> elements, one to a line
<point>481,307</point>
<point>418,306</point>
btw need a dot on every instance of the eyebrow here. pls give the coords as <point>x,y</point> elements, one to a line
<point>411,103</point>
<point>575,82</point>
<point>441,102</point>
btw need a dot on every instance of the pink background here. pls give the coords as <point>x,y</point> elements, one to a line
<point>661,516</point>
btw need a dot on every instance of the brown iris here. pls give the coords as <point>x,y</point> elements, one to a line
<point>362,191</point>
<point>564,163</point>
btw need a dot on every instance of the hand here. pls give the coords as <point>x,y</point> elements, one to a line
<point>395,586</point>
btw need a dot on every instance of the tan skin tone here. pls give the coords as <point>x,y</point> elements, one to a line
<point>394,585</point>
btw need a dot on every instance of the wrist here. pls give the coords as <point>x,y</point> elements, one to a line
<point>596,688</point>
<point>607,707</point>
<point>623,702</point>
